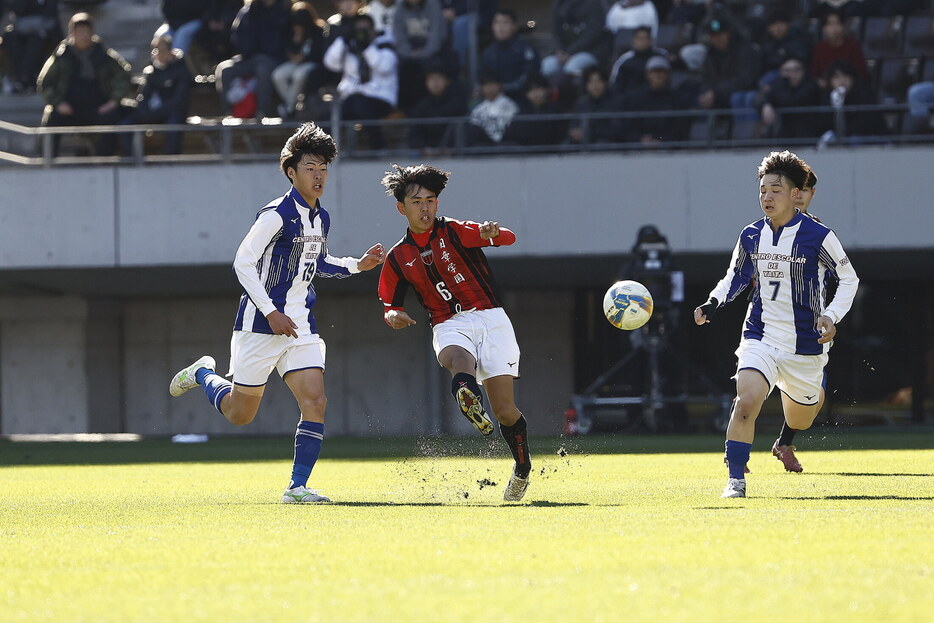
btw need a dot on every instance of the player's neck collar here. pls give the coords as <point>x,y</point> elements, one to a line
<point>297,196</point>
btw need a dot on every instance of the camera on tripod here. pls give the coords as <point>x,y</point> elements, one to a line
<point>651,266</point>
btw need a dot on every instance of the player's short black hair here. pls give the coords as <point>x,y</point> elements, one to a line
<point>788,165</point>
<point>403,180</point>
<point>812,179</point>
<point>308,140</point>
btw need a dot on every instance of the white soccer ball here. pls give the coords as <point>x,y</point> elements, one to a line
<point>628,305</point>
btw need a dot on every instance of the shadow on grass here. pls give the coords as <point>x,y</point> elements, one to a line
<point>858,497</point>
<point>464,504</point>
<point>871,474</point>
<point>221,449</point>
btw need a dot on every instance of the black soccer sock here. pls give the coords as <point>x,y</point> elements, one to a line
<point>516,439</point>
<point>787,435</point>
<point>462,379</point>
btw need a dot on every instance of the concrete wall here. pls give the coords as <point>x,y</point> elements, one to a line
<point>559,205</point>
<point>70,365</point>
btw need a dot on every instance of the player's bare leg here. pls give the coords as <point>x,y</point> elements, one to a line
<point>797,417</point>
<point>308,388</point>
<point>241,404</point>
<point>751,391</point>
<point>512,425</point>
<point>463,368</point>
<point>782,449</point>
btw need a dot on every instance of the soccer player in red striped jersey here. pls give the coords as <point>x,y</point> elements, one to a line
<point>442,259</point>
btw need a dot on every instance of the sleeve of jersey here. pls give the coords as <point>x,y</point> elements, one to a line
<point>469,233</point>
<point>392,286</point>
<point>834,258</point>
<point>330,266</point>
<point>251,249</point>
<point>737,276</point>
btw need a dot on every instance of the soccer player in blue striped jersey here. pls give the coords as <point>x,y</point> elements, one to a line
<point>275,325</point>
<point>789,327</point>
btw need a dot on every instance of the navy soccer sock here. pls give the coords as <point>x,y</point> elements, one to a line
<point>308,439</point>
<point>737,455</point>
<point>787,435</point>
<point>214,385</point>
<point>462,379</point>
<point>517,440</point>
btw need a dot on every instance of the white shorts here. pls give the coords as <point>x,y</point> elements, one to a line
<point>486,334</point>
<point>798,376</point>
<point>254,355</point>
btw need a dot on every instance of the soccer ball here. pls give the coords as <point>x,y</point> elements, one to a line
<point>628,305</point>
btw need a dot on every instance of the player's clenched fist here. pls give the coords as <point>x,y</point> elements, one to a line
<point>489,229</point>
<point>398,319</point>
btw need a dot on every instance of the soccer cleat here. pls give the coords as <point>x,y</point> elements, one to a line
<point>185,378</point>
<point>303,495</point>
<point>470,406</point>
<point>786,454</point>
<point>515,488</point>
<point>735,488</point>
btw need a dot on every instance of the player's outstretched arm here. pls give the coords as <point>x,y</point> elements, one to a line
<point>373,257</point>
<point>398,319</point>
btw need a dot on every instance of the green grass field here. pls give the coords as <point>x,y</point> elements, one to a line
<point>619,529</point>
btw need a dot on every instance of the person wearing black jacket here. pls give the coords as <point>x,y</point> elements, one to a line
<point>580,38</point>
<point>795,88</point>
<point>444,99</point>
<point>628,71</point>
<point>183,20</point>
<point>597,98</point>
<point>509,56</point>
<point>261,33</point>
<point>731,68</point>
<point>525,131</point>
<point>656,96</point>
<point>163,95</point>
<point>305,51</point>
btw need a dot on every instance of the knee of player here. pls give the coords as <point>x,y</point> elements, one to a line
<point>241,417</point>
<point>314,403</point>
<point>745,405</point>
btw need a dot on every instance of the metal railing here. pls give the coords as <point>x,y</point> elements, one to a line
<point>235,140</point>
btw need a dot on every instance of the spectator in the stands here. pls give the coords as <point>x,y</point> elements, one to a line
<point>780,42</point>
<point>490,118</point>
<point>836,45</point>
<point>628,71</point>
<point>444,99</point>
<point>656,96</point>
<point>260,33</point>
<point>31,35</point>
<point>509,55</point>
<point>845,88</point>
<point>369,72</point>
<point>420,34</point>
<point>341,22</point>
<point>304,53</point>
<point>382,12</point>
<point>920,99</point>
<point>535,101</point>
<point>457,13</point>
<point>597,98</point>
<point>83,83</point>
<point>629,14</point>
<point>580,39</point>
<point>212,41</point>
<point>164,93</point>
<point>795,88</point>
<point>731,68</point>
<point>183,20</point>
<point>845,8</point>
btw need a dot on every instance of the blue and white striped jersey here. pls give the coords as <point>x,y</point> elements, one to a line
<point>284,249</point>
<point>789,267</point>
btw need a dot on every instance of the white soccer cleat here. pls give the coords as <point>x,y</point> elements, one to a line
<point>185,378</point>
<point>515,489</point>
<point>303,495</point>
<point>735,488</point>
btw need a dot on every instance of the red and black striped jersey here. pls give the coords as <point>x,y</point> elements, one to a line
<point>448,271</point>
